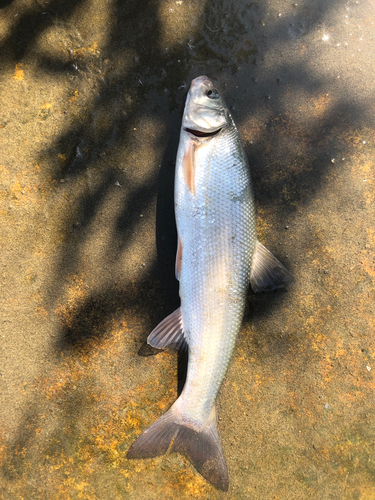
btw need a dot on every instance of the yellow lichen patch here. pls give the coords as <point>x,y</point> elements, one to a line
<point>92,49</point>
<point>76,448</point>
<point>187,483</point>
<point>194,485</point>
<point>62,379</point>
<point>252,129</point>
<point>4,171</point>
<point>45,111</point>
<point>263,226</point>
<point>369,267</point>
<point>367,492</point>
<point>286,125</point>
<point>3,447</point>
<point>258,379</point>
<point>26,186</point>
<point>41,254</point>
<point>371,236</point>
<point>48,105</point>
<point>76,291</point>
<point>15,190</point>
<point>61,157</point>
<point>41,312</point>
<point>320,105</point>
<point>18,72</point>
<point>74,94</point>
<point>356,136</point>
<point>317,340</point>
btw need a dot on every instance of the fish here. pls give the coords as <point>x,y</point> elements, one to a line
<point>218,257</point>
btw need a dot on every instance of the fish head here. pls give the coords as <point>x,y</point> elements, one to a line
<point>205,111</point>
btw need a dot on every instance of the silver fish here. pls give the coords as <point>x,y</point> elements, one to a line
<point>218,255</point>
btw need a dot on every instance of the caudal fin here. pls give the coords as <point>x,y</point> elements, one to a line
<point>202,448</point>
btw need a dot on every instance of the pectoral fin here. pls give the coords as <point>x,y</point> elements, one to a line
<point>178,259</point>
<point>267,273</point>
<point>169,333</point>
<point>189,167</point>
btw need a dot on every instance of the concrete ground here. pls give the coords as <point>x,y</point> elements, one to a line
<point>91,100</point>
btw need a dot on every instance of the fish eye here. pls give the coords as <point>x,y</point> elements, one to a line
<point>213,94</point>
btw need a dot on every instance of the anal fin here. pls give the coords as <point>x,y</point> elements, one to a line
<point>169,333</point>
<point>267,273</point>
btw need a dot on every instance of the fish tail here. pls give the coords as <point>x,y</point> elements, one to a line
<point>201,447</point>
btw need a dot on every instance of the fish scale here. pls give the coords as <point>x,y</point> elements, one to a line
<point>217,255</point>
<point>216,262</point>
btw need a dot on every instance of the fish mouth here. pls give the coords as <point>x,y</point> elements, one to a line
<point>199,133</point>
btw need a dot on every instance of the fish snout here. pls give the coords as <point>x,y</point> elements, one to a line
<point>198,81</point>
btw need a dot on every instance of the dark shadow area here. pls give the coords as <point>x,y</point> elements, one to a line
<point>90,319</point>
<point>230,48</point>
<point>166,232</point>
<point>5,3</point>
<point>84,143</point>
<point>183,361</point>
<point>311,165</point>
<point>33,22</point>
<point>59,66</point>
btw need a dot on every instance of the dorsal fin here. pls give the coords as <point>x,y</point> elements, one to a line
<point>267,273</point>
<point>169,333</point>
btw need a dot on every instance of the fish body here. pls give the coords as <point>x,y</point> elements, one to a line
<point>218,256</point>
<point>217,235</point>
